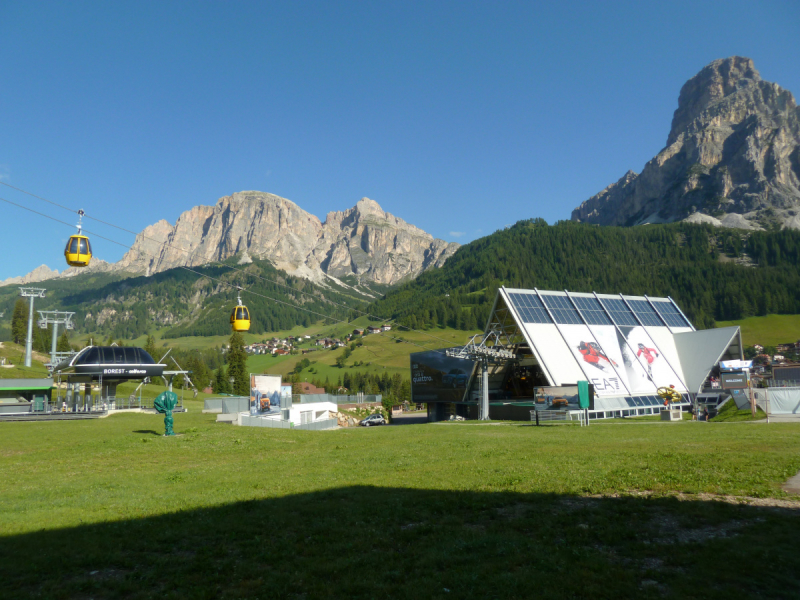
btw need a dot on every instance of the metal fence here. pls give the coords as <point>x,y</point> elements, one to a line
<point>549,415</point>
<point>337,399</point>
<point>228,404</point>
<point>249,421</point>
<point>783,383</point>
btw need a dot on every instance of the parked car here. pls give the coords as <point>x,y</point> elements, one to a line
<point>376,419</point>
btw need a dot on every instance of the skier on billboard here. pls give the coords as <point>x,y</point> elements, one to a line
<point>593,354</point>
<point>648,355</point>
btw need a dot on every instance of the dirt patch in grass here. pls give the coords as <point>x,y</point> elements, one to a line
<point>792,485</point>
<point>787,503</point>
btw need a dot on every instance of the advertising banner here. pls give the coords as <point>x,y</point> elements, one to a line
<point>735,365</point>
<point>643,351</point>
<point>602,369</point>
<point>554,353</point>
<point>436,377</point>
<point>265,391</point>
<point>634,373</point>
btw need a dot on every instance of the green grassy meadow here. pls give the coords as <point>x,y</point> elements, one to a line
<point>109,508</point>
<point>767,331</point>
<point>382,352</point>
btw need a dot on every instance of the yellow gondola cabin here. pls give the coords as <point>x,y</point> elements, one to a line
<point>240,317</point>
<point>79,250</point>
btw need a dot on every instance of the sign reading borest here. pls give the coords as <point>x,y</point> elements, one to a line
<point>165,403</point>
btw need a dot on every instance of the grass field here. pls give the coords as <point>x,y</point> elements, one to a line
<point>767,331</point>
<point>382,352</point>
<point>109,508</point>
<point>15,361</point>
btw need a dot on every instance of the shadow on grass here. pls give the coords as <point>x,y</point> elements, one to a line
<point>369,542</point>
<point>150,431</point>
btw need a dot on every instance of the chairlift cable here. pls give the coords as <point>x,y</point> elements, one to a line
<point>231,267</point>
<point>220,281</point>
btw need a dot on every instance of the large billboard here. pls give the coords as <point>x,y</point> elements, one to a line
<point>436,377</point>
<point>643,351</point>
<point>602,364</point>
<point>265,391</point>
<point>619,361</point>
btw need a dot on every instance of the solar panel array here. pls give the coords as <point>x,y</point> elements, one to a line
<point>591,310</point>
<point>670,313</point>
<point>647,315</point>
<point>563,311</point>
<point>530,308</point>
<point>619,311</point>
<point>649,400</point>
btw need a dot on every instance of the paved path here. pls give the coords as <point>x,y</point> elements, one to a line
<point>792,485</point>
<point>784,418</point>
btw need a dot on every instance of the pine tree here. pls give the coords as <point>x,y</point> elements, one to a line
<point>150,347</point>
<point>19,322</point>
<point>237,365</point>
<point>221,383</point>
<point>63,342</point>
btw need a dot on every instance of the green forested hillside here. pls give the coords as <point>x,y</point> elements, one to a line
<point>125,306</point>
<point>713,274</point>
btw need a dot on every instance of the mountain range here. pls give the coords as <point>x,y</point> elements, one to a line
<point>732,158</point>
<point>363,245</point>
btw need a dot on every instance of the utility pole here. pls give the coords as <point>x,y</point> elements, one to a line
<point>56,318</point>
<point>30,293</point>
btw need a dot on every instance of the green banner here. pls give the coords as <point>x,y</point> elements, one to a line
<point>583,394</point>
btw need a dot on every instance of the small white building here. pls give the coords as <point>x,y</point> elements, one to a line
<point>299,414</point>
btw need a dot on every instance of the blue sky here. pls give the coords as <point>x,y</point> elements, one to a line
<point>459,117</point>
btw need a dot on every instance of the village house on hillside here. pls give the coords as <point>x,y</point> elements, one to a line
<point>307,388</point>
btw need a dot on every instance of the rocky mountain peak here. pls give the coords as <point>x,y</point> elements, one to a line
<point>714,82</point>
<point>363,241</point>
<point>366,206</point>
<point>732,158</point>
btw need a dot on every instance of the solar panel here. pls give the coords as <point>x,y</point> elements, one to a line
<point>646,314</point>
<point>563,311</point>
<point>619,311</point>
<point>529,308</point>
<point>670,313</point>
<point>591,310</point>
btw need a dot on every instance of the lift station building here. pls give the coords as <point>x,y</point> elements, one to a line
<point>625,346</point>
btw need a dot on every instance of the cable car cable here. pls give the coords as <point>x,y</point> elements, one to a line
<point>220,281</point>
<point>168,245</point>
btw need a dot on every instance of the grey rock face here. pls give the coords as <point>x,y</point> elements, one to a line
<point>732,158</point>
<point>40,273</point>
<point>363,241</point>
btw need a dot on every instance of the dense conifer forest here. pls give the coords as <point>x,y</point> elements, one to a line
<point>713,274</point>
<point>187,303</point>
